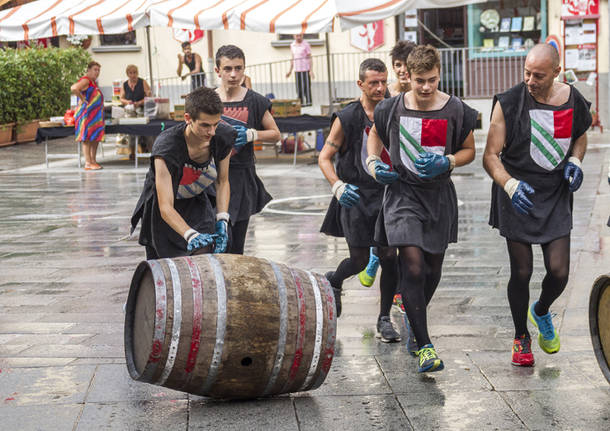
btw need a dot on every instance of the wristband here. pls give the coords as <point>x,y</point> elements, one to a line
<point>370,163</point>
<point>189,234</point>
<point>222,216</point>
<point>575,160</point>
<point>451,158</point>
<point>338,188</point>
<point>511,186</point>
<point>251,135</point>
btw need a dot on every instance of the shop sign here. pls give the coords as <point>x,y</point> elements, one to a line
<point>579,8</point>
<point>183,35</point>
<point>367,37</point>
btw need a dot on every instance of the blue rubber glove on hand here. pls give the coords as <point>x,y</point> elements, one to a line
<point>199,240</point>
<point>242,136</point>
<point>573,170</point>
<point>346,194</point>
<point>518,191</point>
<point>222,237</point>
<point>430,165</point>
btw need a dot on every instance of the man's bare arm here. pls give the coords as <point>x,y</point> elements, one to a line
<point>223,188</point>
<point>270,132</point>
<point>496,139</point>
<point>332,145</point>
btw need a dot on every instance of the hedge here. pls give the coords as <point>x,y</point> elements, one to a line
<point>35,83</point>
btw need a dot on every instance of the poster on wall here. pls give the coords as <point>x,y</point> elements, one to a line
<point>579,8</point>
<point>367,37</point>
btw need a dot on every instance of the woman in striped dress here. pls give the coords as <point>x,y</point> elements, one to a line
<point>89,119</point>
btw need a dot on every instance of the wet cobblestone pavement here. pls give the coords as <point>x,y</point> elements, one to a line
<point>66,264</point>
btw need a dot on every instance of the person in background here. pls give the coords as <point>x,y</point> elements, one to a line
<point>133,92</point>
<point>194,64</point>
<point>247,82</point>
<point>399,55</point>
<point>302,63</point>
<point>89,118</point>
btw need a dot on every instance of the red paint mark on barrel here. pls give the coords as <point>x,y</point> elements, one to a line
<point>155,353</point>
<point>197,315</point>
<point>298,355</point>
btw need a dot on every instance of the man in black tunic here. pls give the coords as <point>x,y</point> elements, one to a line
<point>535,146</point>
<point>177,216</point>
<point>428,133</point>
<point>357,196</point>
<point>250,115</point>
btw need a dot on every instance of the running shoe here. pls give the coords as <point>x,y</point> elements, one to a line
<point>336,292</point>
<point>548,339</point>
<point>522,352</point>
<point>367,275</point>
<point>429,360</point>
<point>397,302</point>
<point>411,342</point>
<point>386,331</point>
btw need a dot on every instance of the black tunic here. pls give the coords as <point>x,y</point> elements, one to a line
<point>356,224</point>
<point>539,141</point>
<point>420,212</point>
<point>189,183</point>
<point>248,194</point>
<point>138,92</point>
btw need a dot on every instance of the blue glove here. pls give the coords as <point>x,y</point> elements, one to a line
<point>242,136</point>
<point>222,238</point>
<point>346,194</point>
<point>383,174</point>
<point>572,170</point>
<point>431,165</point>
<point>518,191</point>
<point>200,240</point>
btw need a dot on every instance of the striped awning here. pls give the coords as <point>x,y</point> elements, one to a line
<point>47,18</point>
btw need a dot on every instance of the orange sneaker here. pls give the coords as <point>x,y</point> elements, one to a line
<point>398,303</point>
<point>522,352</point>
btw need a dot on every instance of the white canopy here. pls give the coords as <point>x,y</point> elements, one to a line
<point>46,18</point>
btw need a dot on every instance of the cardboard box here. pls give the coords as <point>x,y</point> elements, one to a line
<point>178,113</point>
<point>285,107</point>
<point>338,105</point>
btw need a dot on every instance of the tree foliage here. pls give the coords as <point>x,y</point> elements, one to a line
<point>35,83</point>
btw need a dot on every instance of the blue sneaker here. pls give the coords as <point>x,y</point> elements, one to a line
<point>548,339</point>
<point>367,275</point>
<point>429,360</point>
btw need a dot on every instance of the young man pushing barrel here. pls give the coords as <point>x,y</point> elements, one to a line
<point>177,216</point>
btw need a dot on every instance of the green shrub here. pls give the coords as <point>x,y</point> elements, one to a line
<point>35,83</point>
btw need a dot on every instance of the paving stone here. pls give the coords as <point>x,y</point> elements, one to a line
<point>113,383</point>
<point>48,385</point>
<point>163,415</point>
<point>372,412</point>
<point>37,418</point>
<point>266,414</point>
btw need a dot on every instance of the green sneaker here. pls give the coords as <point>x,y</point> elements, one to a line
<point>429,360</point>
<point>548,339</point>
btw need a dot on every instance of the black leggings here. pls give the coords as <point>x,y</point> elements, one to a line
<point>357,261</point>
<point>420,273</point>
<point>557,264</point>
<point>238,237</point>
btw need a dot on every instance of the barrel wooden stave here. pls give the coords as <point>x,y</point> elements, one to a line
<point>599,322</point>
<point>249,366</point>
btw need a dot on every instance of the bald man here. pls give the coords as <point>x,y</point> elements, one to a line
<point>535,146</point>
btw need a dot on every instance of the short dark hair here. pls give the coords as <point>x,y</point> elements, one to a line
<point>371,64</point>
<point>401,50</point>
<point>422,59</point>
<point>231,52</point>
<point>92,64</point>
<point>203,99</point>
<point>185,44</point>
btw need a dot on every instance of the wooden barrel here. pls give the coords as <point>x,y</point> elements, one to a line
<point>599,322</point>
<point>229,326</point>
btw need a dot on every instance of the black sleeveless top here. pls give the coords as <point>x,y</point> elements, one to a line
<point>138,92</point>
<point>190,64</point>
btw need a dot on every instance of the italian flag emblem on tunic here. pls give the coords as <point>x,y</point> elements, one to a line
<point>551,134</point>
<point>421,135</point>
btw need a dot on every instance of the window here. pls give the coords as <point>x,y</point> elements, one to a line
<point>284,40</point>
<point>128,38</point>
<point>306,36</point>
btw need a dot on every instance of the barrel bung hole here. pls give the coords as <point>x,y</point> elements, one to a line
<point>246,362</point>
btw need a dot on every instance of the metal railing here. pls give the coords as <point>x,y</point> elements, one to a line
<point>465,72</point>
